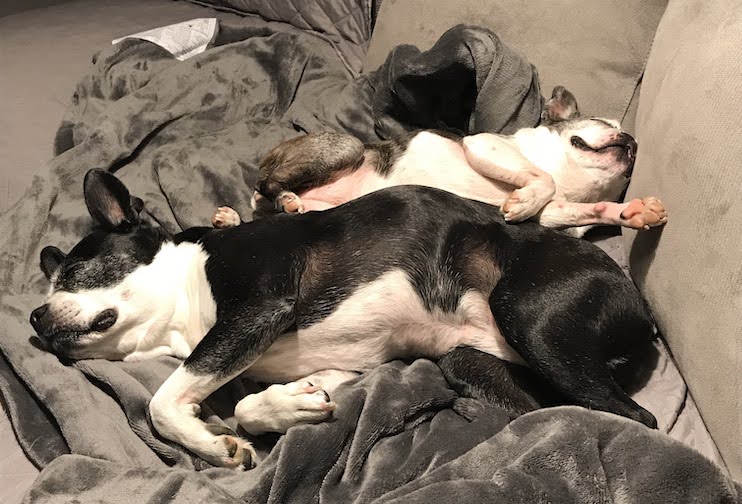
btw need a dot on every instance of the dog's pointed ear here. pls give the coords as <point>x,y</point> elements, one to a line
<point>137,204</point>
<point>51,258</point>
<point>561,107</point>
<point>109,202</point>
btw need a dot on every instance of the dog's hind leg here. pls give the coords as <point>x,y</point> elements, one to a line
<point>568,347</point>
<point>280,407</point>
<point>306,162</point>
<point>514,388</point>
<point>230,347</point>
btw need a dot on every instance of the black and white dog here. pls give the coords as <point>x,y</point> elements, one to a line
<point>566,173</point>
<point>404,272</point>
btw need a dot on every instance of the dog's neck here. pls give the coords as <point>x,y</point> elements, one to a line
<point>185,310</point>
<point>542,147</point>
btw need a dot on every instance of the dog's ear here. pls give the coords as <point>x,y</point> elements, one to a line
<point>137,204</point>
<point>109,202</point>
<point>561,107</point>
<point>51,258</point>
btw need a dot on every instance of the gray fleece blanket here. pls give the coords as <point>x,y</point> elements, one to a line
<point>186,137</point>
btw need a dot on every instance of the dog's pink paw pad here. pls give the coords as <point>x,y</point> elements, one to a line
<point>645,213</point>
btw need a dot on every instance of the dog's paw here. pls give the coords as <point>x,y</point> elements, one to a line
<point>524,203</point>
<point>280,407</point>
<point>224,448</point>
<point>644,213</point>
<point>225,217</point>
<point>289,202</point>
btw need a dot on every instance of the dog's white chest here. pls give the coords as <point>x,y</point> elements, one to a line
<point>379,322</point>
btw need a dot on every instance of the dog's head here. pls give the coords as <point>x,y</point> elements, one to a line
<point>598,151</point>
<point>98,291</point>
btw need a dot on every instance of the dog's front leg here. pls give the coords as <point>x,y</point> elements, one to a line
<point>635,214</point>
<point>231,346</point>
<point>496,158</point>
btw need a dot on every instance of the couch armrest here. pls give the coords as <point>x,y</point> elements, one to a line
<point>690,156</point>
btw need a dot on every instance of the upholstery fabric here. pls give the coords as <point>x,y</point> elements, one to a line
<point>688,128</point>
<point>595,48</point>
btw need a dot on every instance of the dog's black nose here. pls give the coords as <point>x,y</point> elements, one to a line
<point>104,320</point>
<point>37,317</point>
<point>629,151</point>
<point>630,144</point>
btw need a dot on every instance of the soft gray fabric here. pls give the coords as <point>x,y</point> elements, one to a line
<point>397,437</point>
<point>596,48</point>
<point>17,473</point>
<point>43,52</point>
<point>345,23</point>
<point>689,156</point>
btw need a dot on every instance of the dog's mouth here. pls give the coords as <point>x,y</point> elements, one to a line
<point>65,340</point>
<point>624,144</point>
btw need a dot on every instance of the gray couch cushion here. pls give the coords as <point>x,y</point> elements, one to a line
<point>690,155</point>
<point>596,48</point>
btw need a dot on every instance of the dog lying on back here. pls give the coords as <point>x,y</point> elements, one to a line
<point>566,173</point>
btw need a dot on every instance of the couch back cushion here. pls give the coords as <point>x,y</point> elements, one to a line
<point>595,48</point>
<point>690,155</point>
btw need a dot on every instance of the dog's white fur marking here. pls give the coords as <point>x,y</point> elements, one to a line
<point>174,411</point>
<point>381,321</point>
<point>438,162</point>
<point>164,308</point>
<point>532,167</point>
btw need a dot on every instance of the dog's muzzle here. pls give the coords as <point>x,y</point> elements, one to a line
<point>624,144</point>
<point>59,338</point>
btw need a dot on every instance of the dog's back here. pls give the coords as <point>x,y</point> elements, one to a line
<point>549,294</point>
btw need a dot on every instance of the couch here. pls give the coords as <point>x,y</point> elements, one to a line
<point>669,69</point>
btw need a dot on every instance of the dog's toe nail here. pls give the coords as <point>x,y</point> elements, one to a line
<point>219,430</point>
<point>249,462</point>
<point>232,446</point>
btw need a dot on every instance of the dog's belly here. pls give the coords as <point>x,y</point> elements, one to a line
<point>343,188</point>
<point>434,161</point>
<point>430,160</point>
<point>379,322</point>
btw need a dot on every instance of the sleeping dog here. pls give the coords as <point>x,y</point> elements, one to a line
<point>567,173</point>
<point>403,273</point>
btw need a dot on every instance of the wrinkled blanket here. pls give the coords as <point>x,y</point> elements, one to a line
<point>186,137</point>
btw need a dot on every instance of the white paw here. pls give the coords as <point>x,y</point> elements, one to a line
<point>280,407</point>
<point>524,203</point>
<point>225,217</point>
<point>222,447</point>
<point>289,202</point>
